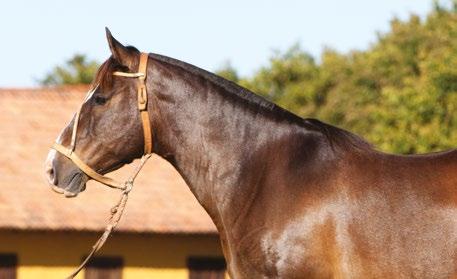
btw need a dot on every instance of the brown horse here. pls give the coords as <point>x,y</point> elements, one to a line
<point>290,197</point>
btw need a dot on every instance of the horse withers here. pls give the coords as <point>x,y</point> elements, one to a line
<point>290,197</point>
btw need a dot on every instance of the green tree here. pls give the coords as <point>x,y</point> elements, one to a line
<point>77,70</point>
<point>229,72</point>
<point>400,93</point>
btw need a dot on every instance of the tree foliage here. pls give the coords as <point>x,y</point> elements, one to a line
<point>77,70</point>
<point>400,93</point>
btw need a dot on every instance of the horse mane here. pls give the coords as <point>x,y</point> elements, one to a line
<point>335,135</point>
<point>230,87</point>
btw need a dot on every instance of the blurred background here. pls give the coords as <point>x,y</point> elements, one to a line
<point>385,70</point>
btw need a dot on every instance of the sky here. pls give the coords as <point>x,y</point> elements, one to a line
<point>35,36</point>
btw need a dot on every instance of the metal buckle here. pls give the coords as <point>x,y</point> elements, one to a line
<point>142,97</point>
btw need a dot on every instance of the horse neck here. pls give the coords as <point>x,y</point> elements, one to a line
<point>209,134</point>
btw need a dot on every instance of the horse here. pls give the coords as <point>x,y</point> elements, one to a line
<point>290,197</point>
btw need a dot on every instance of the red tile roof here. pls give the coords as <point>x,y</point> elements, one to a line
<point>30,120</point>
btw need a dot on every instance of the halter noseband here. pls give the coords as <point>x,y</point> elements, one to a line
<point>142,107</point>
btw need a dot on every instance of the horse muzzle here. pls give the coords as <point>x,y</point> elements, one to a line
<point>68,179</point>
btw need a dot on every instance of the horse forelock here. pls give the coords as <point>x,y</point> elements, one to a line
<point>104,76</point>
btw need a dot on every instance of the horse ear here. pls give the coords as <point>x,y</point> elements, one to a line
<point>126,56</point>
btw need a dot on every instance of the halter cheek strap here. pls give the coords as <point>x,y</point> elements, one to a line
<point>142,100</point>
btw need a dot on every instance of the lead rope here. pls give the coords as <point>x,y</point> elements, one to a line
<point>116,214</point>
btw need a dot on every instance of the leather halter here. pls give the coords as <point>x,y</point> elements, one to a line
<point>126,187</point>
<point>142,107</point>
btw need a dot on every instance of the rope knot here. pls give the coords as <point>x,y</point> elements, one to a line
<point>114,209</point>
<point>128,186</point>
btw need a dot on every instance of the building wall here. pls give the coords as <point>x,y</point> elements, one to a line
<point>55,254</point>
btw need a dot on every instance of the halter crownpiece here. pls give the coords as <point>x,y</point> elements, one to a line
<point>126,187</point>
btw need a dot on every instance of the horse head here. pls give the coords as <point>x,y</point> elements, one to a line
<point>108,130</point>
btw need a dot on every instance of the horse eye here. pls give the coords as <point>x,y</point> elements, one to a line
<point>99,100</point>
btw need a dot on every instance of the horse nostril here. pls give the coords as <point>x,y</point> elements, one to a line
<point>50,173</point>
